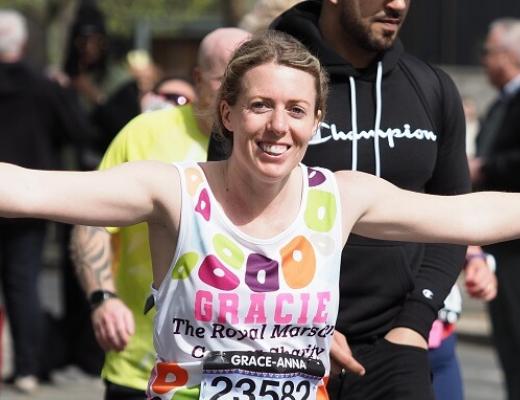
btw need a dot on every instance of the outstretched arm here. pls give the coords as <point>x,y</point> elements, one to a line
<point>124,195</point>
<point>377,209</point>
<point>91,252</point>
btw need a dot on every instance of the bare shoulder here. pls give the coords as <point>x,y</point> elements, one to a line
<point>359,190</point>
<point>354,181</point>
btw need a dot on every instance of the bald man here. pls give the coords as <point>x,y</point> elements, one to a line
<point>117,299</point>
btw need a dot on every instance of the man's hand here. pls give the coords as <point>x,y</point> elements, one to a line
<point>480,280</point>
<point>406,337</point>
<point>113,324</point>
<point>341,356</point>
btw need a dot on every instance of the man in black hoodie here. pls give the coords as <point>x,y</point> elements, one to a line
<point>397,117</point>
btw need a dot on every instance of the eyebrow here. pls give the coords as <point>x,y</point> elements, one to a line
<point>289,101</point>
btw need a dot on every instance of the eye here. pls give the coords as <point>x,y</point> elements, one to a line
<point>259,106</point>
<point>298,111</point>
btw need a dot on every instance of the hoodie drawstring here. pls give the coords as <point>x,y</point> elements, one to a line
<point>377,122</point>
<point>353,108</point>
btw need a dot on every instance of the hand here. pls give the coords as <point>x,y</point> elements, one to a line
<point>113,324</point>
<point>341,356</point>
<point>480,280</point>
<point>58,76</point>
<point>406,337</point>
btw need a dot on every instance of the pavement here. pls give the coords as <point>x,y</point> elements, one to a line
<point>70,383</point>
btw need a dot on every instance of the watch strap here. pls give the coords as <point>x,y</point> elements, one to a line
<point>97,297</point>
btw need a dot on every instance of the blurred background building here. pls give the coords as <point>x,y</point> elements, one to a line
<point>450,33</point>
<point>444,32</point>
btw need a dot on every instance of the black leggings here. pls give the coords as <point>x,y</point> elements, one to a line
<point>118,392</point>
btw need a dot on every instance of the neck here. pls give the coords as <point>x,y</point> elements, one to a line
<point>249,198</point>
<point>510,74</point>
<point>11,57</point>
<point>342,44</point>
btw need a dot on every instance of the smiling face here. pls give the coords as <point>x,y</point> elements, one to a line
<point>372,24</point>
<point>272,120</point>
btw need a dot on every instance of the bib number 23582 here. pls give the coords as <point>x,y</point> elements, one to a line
<point>258,375</point>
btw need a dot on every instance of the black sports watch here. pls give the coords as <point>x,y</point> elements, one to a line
<point>99,296</point>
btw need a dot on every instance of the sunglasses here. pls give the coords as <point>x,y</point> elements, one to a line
<point>174,98</point>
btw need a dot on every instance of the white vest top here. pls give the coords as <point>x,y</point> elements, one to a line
<point>228,291</point>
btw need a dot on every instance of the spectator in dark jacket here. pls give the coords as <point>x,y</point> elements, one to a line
<point>37,118</point>
<point>496,167</point>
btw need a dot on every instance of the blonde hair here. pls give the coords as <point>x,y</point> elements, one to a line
<point>276,47</point>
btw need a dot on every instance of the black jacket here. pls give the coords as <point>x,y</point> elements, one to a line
<point>502,164</point>
<point>420,146</point>
<point>37,117</point>
<point>502,161</point>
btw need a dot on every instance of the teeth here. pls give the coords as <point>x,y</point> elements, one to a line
<point>274,149</point>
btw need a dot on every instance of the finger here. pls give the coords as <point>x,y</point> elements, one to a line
<point>101,336</point>
<point>111,333</point>
<point>121,335</point>
<point>474,274</point>
<point>480,282</point>
<point>345,360</point>
<point>335,368</point>
<point>354,366</point>
<point>486,293</point>
<point>491,292</point>
<point>129,323</point>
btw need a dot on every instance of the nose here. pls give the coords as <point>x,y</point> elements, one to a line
<point>400,5</point>
<point>278,123</point>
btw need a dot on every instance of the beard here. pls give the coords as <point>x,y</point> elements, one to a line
<point>354,27</point>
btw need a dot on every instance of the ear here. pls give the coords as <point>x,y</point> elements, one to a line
<point>196,74</point>
<point>225,115</point>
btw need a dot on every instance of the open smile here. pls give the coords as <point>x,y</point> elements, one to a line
<point>273,149</point>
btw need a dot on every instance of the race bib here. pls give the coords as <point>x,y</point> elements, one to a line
<point>250,375</point>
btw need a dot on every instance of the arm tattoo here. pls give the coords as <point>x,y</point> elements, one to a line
<point>91,253</point>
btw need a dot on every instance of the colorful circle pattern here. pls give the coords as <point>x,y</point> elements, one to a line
<point>262,274</point>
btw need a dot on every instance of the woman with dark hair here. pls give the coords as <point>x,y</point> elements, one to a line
<point>87,53</point>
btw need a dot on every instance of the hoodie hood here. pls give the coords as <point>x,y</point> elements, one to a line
<point>301,21</point>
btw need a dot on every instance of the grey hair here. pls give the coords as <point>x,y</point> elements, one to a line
<point>510,37</point>
<point>13,31</point>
